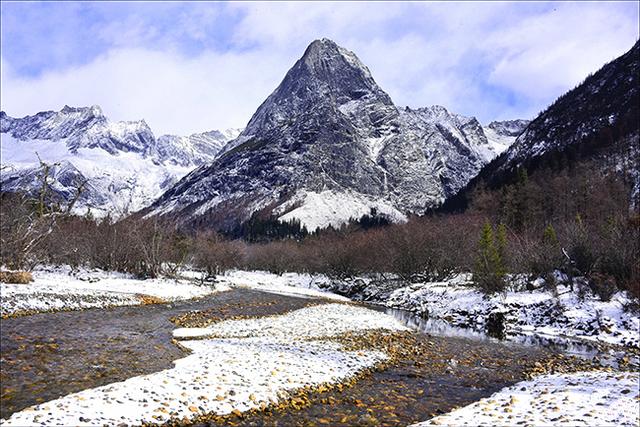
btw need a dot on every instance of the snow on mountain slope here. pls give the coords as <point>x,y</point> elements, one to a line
<point>327,145</point>
<point>118,184</point>
<point>501,135</point>
<point>321,209</point>
<point>196,149</point>
<point>84,127</point>
<point>125,167</point>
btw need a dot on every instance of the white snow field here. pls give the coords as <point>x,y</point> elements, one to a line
<point>294,284</point>
<point>577,399</point>
<point>273,358</point>
<point>59,289</point>
<point>125,182</point>
<point>317,210</point>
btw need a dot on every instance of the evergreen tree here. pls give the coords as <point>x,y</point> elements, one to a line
<point>549,238</point>
<point>489,269</point>
<point>501,243</point>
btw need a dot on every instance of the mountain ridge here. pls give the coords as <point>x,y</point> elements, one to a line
<point>598,120</point>
<point>125,166</point>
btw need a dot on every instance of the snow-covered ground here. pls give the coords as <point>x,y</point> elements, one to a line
<point>527,312</point>
<point>537,312</point>
<point>293,284</point>
<point>237,365</point>
<point>251,364</point>
<point>296,324</point>
<point>577,399</point>
<point>59,289</point>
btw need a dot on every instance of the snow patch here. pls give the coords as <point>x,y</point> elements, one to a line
<point>325,208</point>
<point>336,319</point>
<point>61,289</point>
<point>293,284</point>
<point>577,399</point>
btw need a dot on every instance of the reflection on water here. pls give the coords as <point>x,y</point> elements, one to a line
<point>564,345</point>
<point>437,327</point>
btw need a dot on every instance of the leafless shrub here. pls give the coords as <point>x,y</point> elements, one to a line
<point>26,220</point>
<point>16,277</point>
<point>210,252</point>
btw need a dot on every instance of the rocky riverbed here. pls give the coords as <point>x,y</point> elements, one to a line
<point>246,357</point>
<point>112,355</point>
<point>49,355</point>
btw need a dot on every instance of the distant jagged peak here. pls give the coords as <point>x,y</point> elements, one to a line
<point>438,114</point>
<point>509,127</point>
<point>432,109</point>
<point>93,110</point>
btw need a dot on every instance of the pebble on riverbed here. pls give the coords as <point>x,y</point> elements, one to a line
<point>272,359</point>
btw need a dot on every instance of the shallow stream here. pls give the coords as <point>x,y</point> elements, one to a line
<point>49,355</point>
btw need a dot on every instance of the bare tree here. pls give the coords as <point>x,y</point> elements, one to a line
<point>27,220</point>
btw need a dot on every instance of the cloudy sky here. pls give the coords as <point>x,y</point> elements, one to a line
<point>188,67</point>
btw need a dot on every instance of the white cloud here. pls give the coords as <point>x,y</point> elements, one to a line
<point>172,93</point>
<point>492,60</point>
<point>549,53</point>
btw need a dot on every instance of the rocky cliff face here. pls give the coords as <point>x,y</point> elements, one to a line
<point>124,165</point>
<point>329,144</point>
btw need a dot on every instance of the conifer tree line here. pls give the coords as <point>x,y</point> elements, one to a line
<point>546,227</point>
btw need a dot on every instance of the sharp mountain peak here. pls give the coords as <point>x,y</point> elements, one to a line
<point>329,136</point>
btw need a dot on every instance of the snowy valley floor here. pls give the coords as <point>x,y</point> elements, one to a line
<point>250,364</point>
<point>241,362</point>
<point>577,399</point>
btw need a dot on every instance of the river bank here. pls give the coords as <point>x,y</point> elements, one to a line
<point>270,350</point>
<point>562,314</point>
<point>266,358</point>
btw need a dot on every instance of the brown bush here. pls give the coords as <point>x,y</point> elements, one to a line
<point>602,285</point>
<point>150,299</point>
<point>210,252</point>
<point>17,277</point>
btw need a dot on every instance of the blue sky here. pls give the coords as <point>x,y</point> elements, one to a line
<point>188,67</point>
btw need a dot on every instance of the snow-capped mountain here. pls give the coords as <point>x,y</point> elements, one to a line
<point>196,149</point>
<point>80,128</point>
<point>328,145</point>
<point>125,167</point>
<point>502,134</point>
<point>598,120</point>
